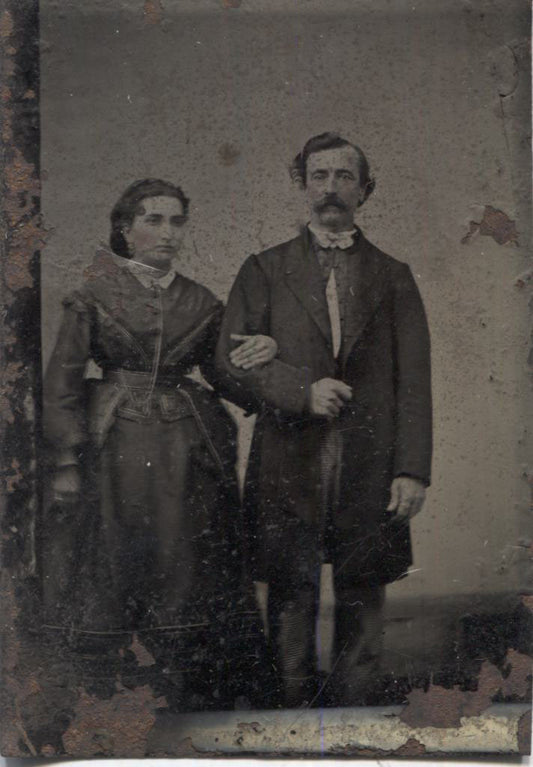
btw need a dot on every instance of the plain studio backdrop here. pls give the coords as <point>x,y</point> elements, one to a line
<point>220,98</point>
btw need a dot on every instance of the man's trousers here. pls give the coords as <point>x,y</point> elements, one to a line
<point>358,630</point>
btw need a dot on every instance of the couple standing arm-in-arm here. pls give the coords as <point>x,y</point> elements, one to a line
<point>325,337</point>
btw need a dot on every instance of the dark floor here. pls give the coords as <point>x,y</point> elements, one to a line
<point>439,640</point>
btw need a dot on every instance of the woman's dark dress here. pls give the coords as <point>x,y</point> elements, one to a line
<point>153,547</point>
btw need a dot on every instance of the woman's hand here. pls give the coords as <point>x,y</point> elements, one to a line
<point>66,484</point>
<point>253,352</point>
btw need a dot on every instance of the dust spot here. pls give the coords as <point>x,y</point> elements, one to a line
<point>438,707</point>
<point>9,66</point>
<point>12,480</point>
<point>527,601</point>
<point>6,25</point>
<point>183,749</point>
<point>524,733</point>
<point>228,154</point>
<point>12,373</point>
<point>153,11</point>
<point>491,222</point>
<point>18,688</point>
<point>503,68</point>
<point>25,231</point>
<point>102,265</point>
<point>144,658</point>
<point>232,3</point>
<point>251,727</point>
<point>524,279</point>
<point>412,747</point>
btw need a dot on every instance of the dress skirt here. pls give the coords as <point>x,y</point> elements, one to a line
<point>154,549</point>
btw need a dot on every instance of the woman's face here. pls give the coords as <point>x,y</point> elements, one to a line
<point>155,234</point>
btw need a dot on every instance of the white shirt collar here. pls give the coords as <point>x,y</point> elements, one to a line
<point>149,276</point>
<point>326,239</point>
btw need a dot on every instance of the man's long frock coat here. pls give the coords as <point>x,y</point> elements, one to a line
<point>386,427</point>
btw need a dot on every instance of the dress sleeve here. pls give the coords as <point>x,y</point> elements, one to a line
<point>276,384</point>
<point>206,349</point>
<point>64,411</point>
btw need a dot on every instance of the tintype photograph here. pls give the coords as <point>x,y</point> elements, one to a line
<point>266,275</point>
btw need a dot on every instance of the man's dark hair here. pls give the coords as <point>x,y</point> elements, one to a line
<point>330,140</point>
<point>129,205</point>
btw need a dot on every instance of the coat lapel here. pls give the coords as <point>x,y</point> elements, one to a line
<point>367,281</point>
<point>303,276</point>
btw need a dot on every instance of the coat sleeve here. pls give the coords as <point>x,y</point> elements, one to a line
<point>413,445</point>
<point>276,385</point>
<point>64,411</point>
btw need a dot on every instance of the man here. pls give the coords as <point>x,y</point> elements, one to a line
<point>342,445</point>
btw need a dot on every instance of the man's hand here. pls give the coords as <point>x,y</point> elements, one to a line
<point>406,496</point>
<point>328,396</point>
<point>253,352</point>
<point>66,484</point>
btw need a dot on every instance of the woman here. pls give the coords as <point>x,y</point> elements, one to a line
<point>142,534</point>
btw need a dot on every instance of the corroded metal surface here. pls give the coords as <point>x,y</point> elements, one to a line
<point>49,710</point>
<point>492,223</point>
<point>337,732</point>
<point>22,237</point>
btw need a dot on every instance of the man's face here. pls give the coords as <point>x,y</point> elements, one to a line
<point>155,234</point>
<point>333,189</point>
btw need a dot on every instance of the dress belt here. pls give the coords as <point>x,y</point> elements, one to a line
<point>141,380</point>
<point>137,379</point>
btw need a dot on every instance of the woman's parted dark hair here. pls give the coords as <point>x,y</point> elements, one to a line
<point>128,206</point>
<point>329,140</point>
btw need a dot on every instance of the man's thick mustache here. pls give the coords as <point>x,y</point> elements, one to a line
<point>328,201</point>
